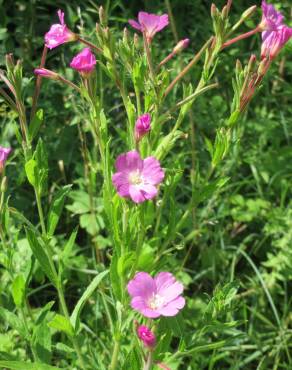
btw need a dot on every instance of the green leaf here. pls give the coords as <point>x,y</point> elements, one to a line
<point>43,312</point>
<point>41,255</point>
<point>85,296</point>
<point>20,365</point>
<point>30,170</point>
<point>66,252</point>
<point>13,321</point>
<point>18,290</point>
<point>61,323</point>
<point>56,209</point>
<point>42,343</point>
<point>35,124</point>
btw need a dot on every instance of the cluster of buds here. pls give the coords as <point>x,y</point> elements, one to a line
<point>142,126</point>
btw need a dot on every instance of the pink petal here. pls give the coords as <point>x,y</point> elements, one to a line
<point>121,183</point>
<point>167,286</point>
<point>163,22</point>
<point>130,161</point>
<point>61,15</point>
<point>142,286</point>
<point>135,24</point>
<point>148,312</point>
<point>136,194</point>
<point>148,191</point>
<point>152,172</point>
<point>173,307</point>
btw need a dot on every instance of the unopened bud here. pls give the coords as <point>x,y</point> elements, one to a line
<point>9,61</point>
<point>249,12</point>
<point>136,41</point>
<point>181,45</point>
<point>107,33</point>
<point>101,15</point>
<point>125,35</point>
<point>251,62</point>
<point>224,13</point>
<point>3,185</point>
<point>146,336</point>
<point>263,66</point>
<point>238,66</point>
<point>228,5</point>
<point>214,11</point>
<point>43,72</point>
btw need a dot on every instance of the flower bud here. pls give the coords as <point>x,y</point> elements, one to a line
<point>224,13</point>
<point>146,336</point>
<point>3,187</point>
<point>4,153</point>
<point>249,12</point>
<point>262,69</point>
<point>142,126</point>
<point>9,61</point>
<point>238,66</point>
<point>214,11</point>
<point>84,62</point>
<point>46,73</point>
<point>126,35</point>
<point>251,62</point>
<point>182,44</point>
<point>136,41</point>
<point>101,15</point>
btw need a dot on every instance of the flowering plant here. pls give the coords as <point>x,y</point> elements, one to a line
<point>129,201</point>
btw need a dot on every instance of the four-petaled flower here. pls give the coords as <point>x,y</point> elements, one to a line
<point>149,24</point>
<point>137,178</point>
<point>59,33</point>
<point>4,153</point>
<point>142,126</point>
<point>84,62</point>
<point>158,296</point>
<point>147,336</point>
<point>275,34</point>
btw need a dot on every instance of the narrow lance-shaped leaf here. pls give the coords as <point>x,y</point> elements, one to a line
<point>56,209</point>
<point>85,296</point>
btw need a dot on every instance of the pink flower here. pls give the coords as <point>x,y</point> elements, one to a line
<point>158,296</point>
<point>182,44</point>
<point>275,41</point>
<point>271,19</point>
<point>4,153</point>
<point>149,23</point>
<point>46,73</point>
<point>275,34</point>
<point>146,335</point>
<point>84,62</point>
<point>137,178</point>
<point>59,33</point>
<point>142,126</point>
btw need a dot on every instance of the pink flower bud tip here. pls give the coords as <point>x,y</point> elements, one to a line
<point>146,336</point>
<point>46,73</point>
<point>84,62</point>
<point>182,44</point>
<point>59,33</point>
<point>4,153</point>
<point>142,126</point>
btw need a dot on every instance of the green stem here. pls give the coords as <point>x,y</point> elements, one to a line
<point>66,314</point>
<point>40,211</point>
<point>149,362</point>
<point>115,357</point>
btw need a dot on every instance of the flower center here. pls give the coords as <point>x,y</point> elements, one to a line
<point>156,302</point>
<point>135,178</point>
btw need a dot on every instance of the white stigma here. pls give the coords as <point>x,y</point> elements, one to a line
<point>156,302</point>
<point>135,178</point>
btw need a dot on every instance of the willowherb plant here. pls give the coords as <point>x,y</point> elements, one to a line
<point>132,184</point>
